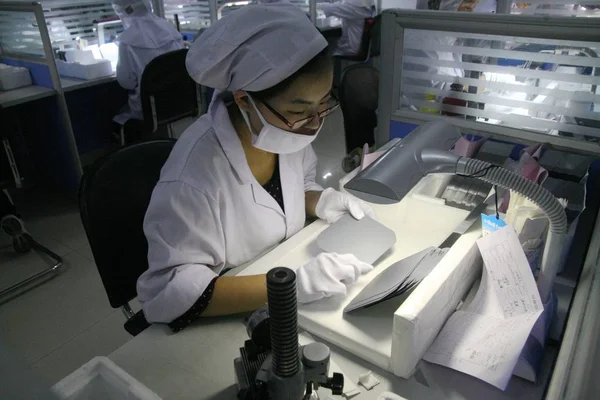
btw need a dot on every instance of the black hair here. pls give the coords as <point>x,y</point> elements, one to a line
<point>317,64</point>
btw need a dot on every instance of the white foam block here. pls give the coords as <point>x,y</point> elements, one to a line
<point>13,77</point>
<point>420,318</point>
<point>80,56</point>
<point>101,378</point>
<point>93,70</point>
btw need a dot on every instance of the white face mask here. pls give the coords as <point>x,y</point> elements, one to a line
<point>277,140</point>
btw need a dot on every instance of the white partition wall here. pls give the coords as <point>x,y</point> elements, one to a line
<point>71,21</point>
<point>586,8</point>
<point>25,38</point>
<point>539,84</point>
<point>192,14</point>
<point>226,6</point>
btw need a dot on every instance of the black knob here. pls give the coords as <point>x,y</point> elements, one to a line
<point>335,384</point>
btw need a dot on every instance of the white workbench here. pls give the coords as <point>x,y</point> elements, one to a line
<point>70,84</point>
<point>25,94</point>
<point>197,363</point>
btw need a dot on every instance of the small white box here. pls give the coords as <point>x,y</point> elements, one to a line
<point>80,56</point>
<point>13,77</point>
<point>87,71</point>
<point>102,379</point>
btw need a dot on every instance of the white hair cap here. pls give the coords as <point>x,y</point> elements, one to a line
<point>254,48</point>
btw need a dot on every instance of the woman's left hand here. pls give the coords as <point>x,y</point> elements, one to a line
<point>333,205</point>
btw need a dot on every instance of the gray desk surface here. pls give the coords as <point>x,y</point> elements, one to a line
<point>23,95</point>
<point>197,363</point>
<point>70,84</point>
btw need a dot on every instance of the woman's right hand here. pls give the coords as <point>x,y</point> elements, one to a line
<point>327,275</point>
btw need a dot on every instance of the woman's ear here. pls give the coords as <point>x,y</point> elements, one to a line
<point>241,99</point>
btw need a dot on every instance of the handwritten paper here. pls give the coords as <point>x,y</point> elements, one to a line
<point>486,338</point>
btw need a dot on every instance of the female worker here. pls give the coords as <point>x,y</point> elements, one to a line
<point>145,37</point>
<point>353,14</point>
<point>241,179</point>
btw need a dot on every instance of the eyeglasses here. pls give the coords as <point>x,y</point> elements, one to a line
<point>332,105</point>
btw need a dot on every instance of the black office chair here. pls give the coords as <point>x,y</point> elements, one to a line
<point>113,198</point>
<point>359,97</point>
<point>370,44</point>
<point>168,95</point>
<point>364,52</point>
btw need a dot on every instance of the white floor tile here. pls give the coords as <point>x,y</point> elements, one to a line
<point>100,339</point>
<point>64,227</point>
<point>7,253</point>
<point>86,251</point>
<point>49,315</point>
<point>15,267</point>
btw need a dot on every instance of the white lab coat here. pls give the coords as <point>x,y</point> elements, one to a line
<point>144,39</point>
<point>353,24</point>
<point>208,213</point>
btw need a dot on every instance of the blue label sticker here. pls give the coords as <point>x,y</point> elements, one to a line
<point>489,223</point>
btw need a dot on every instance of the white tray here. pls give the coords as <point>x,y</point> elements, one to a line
<point>102,379</point>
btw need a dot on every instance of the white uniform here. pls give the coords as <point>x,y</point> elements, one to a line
<point>353,16</point>
<point>146,37</point>
<point>208,213</point>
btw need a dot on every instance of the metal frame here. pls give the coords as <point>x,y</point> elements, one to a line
<point>53,270</point>
<point>213,10</point>
<point>48,60</point>
<point>312,7</point>
<point>574,369</point>
<point>395,21</point>
<point>127,311</point>
<point>12,163</point>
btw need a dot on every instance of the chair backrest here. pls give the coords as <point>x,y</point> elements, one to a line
<point>365,41</point>
<point>375,34</point>
<point>113,198</point>
<point>359,98</point>
<point>168,93</point>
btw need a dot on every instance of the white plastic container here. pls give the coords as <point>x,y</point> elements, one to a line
<point>13,77</point>
<point>87,71</point>
<point>102,379</point>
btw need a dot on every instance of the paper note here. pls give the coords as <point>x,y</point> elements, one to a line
<point>486,338</point>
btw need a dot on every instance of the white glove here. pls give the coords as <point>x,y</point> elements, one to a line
<point>333,205</point>
<point>327,275</point>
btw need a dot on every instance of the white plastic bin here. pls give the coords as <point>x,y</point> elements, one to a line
<point>102,379</point>
<point>13,77</point>
<point>93,70</point>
